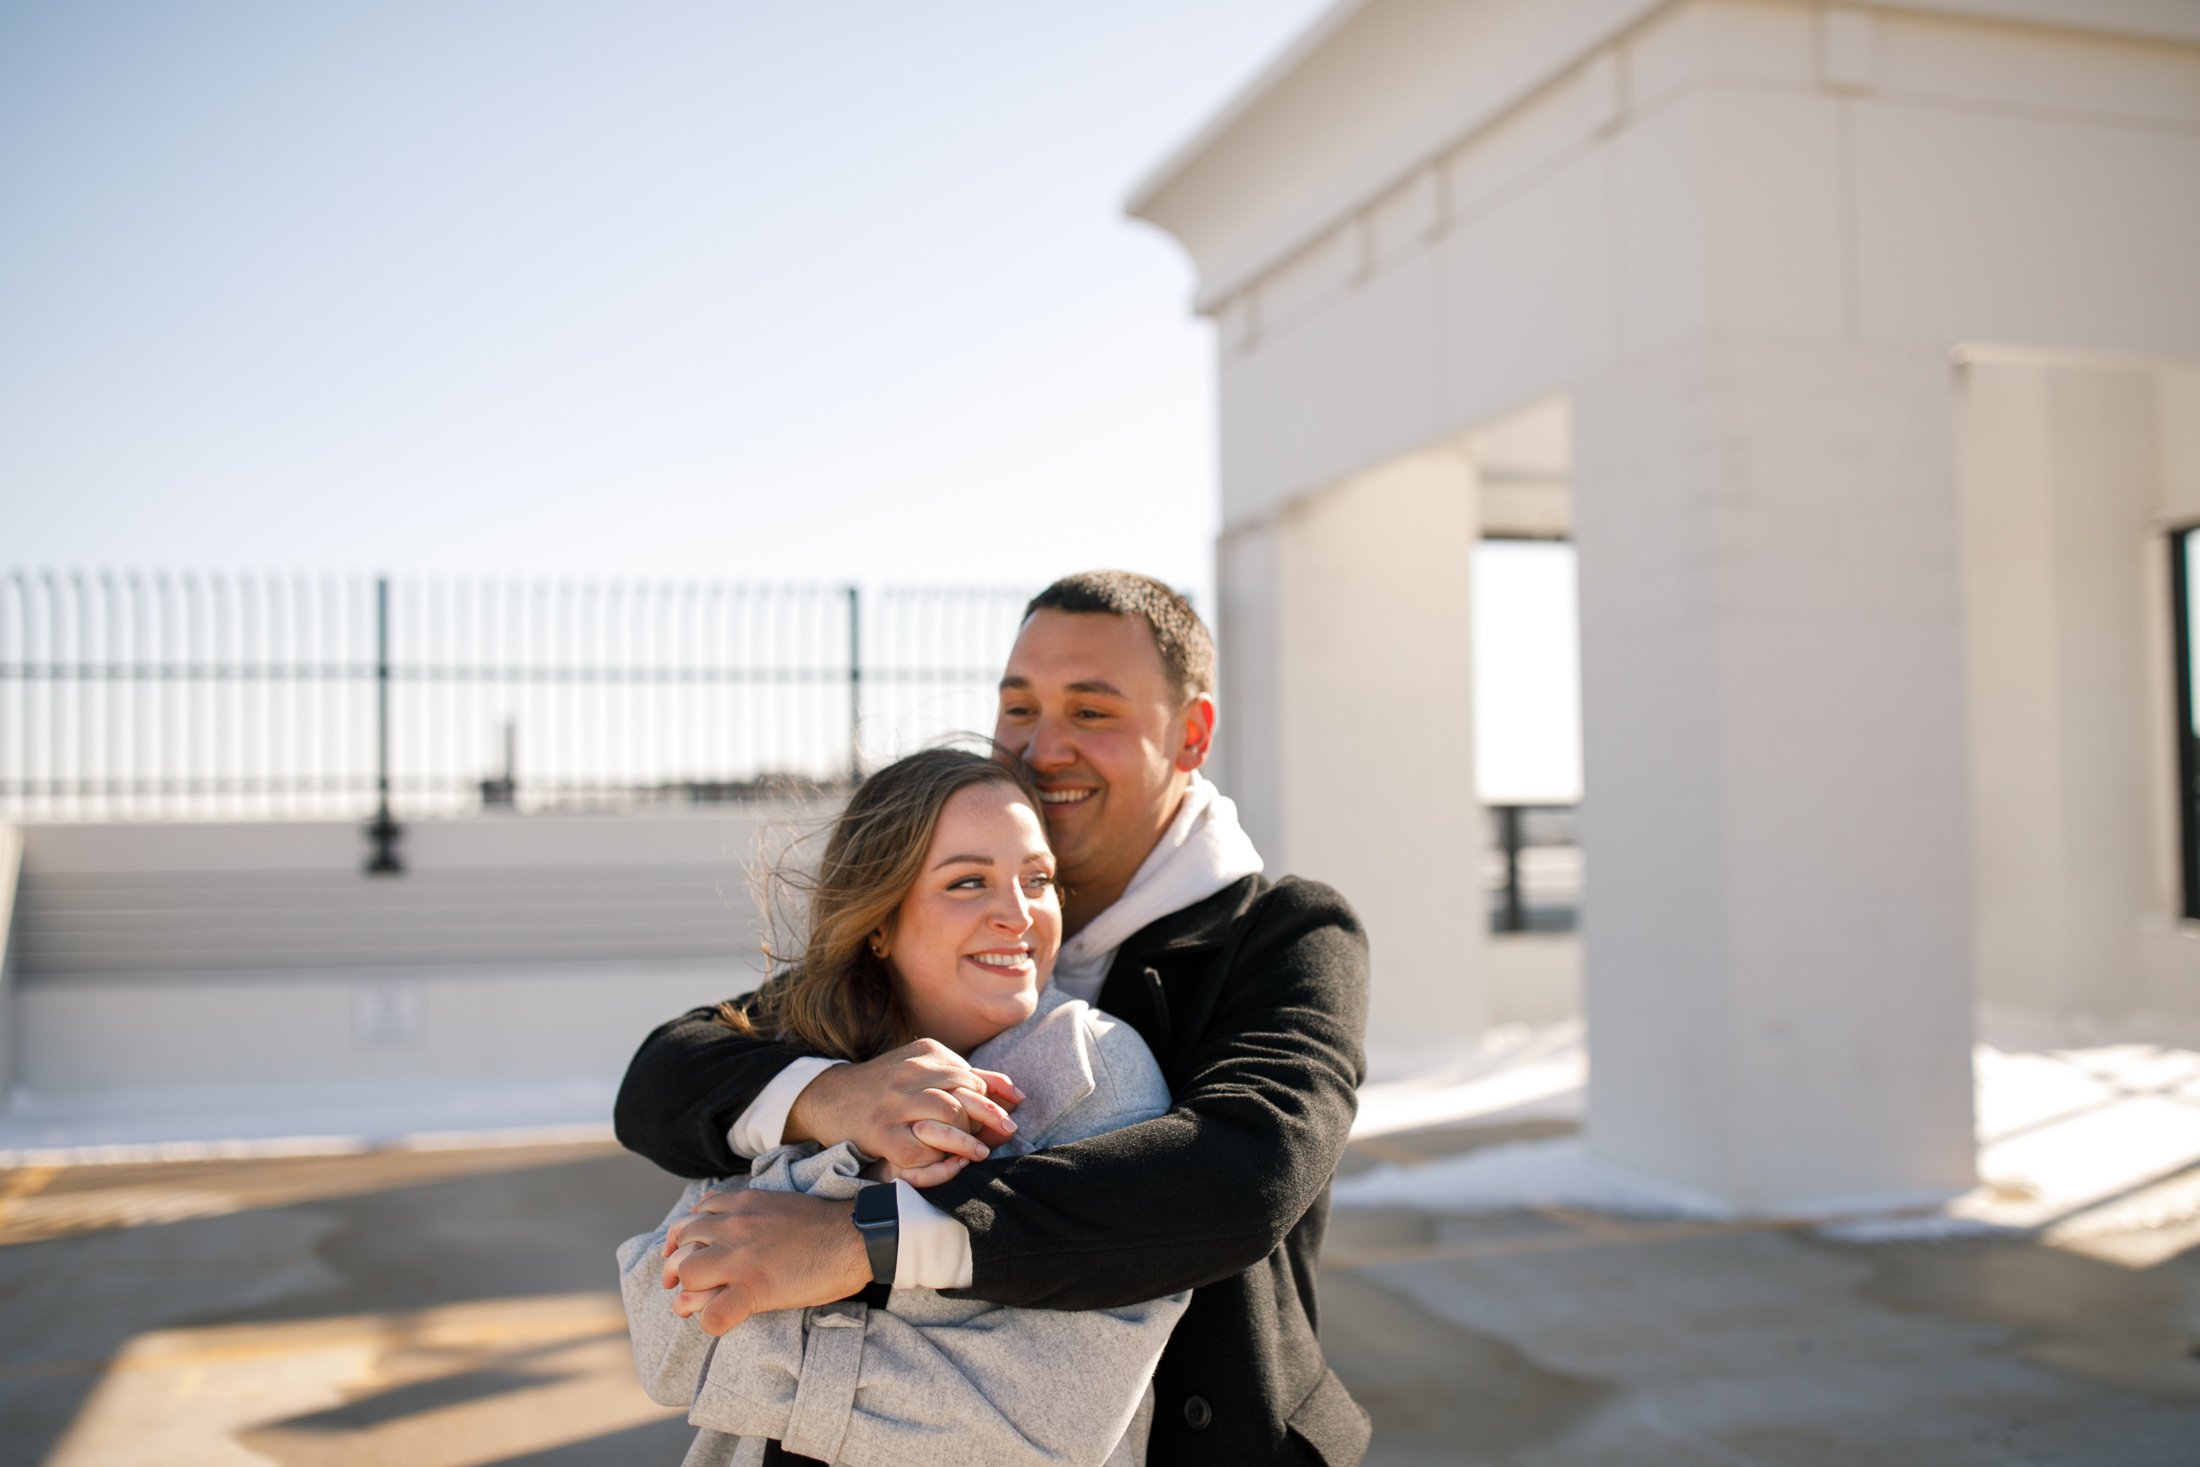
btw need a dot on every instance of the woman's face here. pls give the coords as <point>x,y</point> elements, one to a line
<point>974,940</point>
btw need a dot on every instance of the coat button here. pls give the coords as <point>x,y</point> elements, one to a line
<point>1197,1413</point>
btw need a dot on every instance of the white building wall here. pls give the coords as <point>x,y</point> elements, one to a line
<point>2071,472</point>
<point>1761,168</point>
<point>2169,949</point>
<point>1776,221</point>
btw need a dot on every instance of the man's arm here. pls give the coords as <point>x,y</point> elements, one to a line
<point>685,1086</point>
<point>921,1107</point>
<point>1264,1104</point>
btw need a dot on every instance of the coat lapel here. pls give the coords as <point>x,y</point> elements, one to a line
<point>1162,944</point>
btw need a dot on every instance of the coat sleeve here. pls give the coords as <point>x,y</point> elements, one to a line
<point>670,1353</point>
<point>1266,1090</point>
<point>685,1087</point>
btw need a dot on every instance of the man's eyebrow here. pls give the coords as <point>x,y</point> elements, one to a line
<point>1088,685</point>
<point>963,860</point>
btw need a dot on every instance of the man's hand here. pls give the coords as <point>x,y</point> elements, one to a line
<point>741,1253</point>
<point>921,1108</point>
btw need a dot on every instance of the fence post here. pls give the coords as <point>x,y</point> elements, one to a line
<point>855,685</point>
<point>1516,916</point>
<point>383,831</point>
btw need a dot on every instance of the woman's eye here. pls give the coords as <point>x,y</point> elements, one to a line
<point>968,883</point>
<point>1037,882</point>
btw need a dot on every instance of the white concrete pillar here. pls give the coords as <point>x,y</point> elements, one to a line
<point>1354,757</point>
<point>1778,974</point>
<point>1248,761</point>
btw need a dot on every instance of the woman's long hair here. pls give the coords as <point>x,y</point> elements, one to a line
<point>833,996</point>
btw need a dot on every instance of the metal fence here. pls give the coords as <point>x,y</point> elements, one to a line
<point>1534,868</point>
<point>253,696</point>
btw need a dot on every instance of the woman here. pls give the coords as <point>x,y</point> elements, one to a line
<point>933,914</point>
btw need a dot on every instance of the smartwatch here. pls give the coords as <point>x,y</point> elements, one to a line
<point>878,1218</point>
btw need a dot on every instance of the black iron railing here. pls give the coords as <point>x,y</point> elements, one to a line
<point>249,696</point>
<point>1535,868</point>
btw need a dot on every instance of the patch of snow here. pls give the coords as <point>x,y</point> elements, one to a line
<point>1516,1073</point>
<point>220,1123</point>
<point>1524,1174</point>
<point>2075,1140</point>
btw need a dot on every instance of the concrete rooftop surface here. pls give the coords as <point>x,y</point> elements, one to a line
<point>444,1307</point>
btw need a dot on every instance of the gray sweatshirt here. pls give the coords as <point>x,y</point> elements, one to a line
<point>928,1381</point>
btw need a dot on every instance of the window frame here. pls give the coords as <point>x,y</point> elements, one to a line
<point>2183,543</point>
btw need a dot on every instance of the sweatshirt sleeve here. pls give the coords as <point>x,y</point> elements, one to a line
<point>932,1382</point>
<point>670,1353</point>
<point>1265,1095</point>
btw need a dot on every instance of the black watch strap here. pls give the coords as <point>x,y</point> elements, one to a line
<point>878,1218</point>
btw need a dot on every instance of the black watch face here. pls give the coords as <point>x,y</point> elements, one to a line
<point>878,1219</point>
<point>876,1205</point>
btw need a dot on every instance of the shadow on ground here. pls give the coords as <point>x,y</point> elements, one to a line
<point>1560,1339</point>
<point>459,1310</point>
<point>467,1317</point>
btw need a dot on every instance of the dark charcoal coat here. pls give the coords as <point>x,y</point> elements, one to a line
<point>1255,1006</point>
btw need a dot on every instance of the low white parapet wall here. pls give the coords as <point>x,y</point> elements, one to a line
<point>175,981</point>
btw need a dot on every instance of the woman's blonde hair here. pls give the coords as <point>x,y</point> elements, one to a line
<point>833,995</point>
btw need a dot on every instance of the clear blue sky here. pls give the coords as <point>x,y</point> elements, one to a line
<point>836,289</point>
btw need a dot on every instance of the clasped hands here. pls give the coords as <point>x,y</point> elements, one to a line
<point>923,1110</point>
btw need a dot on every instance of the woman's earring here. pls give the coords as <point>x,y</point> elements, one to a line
<point>878,946</point>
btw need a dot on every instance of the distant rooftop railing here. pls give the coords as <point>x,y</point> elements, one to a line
<point>128,695</point>
<point>1533,868</point>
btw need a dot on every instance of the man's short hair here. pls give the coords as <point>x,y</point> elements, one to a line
<point>1187,651</point>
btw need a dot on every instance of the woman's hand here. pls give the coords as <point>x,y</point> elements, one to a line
<point>931,1174</point>
<point>918,1108</point>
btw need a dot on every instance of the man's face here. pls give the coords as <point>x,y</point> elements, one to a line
<point>1087,706</point>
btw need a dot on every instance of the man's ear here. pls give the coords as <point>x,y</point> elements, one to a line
<point>1199,733</point>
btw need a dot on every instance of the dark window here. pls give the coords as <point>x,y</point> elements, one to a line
<point>2184,581</point>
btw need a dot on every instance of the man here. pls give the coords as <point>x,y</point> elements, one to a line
<point>1251,994</point>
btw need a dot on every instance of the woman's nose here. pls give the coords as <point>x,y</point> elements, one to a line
<point>1013,916</point>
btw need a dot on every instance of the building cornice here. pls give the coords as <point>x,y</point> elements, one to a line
<point>1375,90</point>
